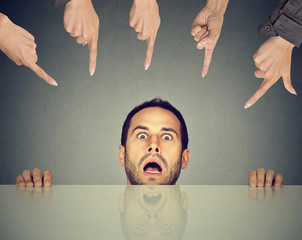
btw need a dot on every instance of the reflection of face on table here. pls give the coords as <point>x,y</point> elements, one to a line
<point>153,152</point>
<point>153,212</point>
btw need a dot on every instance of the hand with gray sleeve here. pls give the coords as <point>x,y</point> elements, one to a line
<point>273,58</point>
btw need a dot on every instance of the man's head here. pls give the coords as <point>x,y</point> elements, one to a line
<point>154,144</point>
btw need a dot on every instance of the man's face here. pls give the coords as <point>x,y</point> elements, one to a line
<point>153,152</point>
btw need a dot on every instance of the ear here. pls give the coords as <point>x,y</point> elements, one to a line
<point>121,155</point>
<point>185,158</point>
<point>184,201</point>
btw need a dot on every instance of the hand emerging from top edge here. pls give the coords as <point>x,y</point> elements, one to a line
<point>19,45</point>
<point>145,19</point>
<point>206,29</point>
<point>82,22</point>
<point>273,60</point>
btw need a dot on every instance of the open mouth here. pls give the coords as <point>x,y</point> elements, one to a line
<point>152,200</point>
<point>152,168</point>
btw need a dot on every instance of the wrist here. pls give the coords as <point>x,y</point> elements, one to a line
<point>143,2</point>
<point>217,6</point>
<point>77,2</point>
<point>283,43</point>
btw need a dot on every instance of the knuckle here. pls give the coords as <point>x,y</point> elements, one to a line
<point>255,57</point>
<point>39,72</point>
<point>262,90</point>
<point>25,61</point>
<point>85,35</point>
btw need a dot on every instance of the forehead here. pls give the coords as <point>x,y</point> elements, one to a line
<point>154,117</point>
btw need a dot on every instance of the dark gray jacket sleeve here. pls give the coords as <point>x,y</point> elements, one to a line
<point>285,21</point>
<point>59,3</point>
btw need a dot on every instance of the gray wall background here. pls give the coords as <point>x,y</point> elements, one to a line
<point>74,129</point>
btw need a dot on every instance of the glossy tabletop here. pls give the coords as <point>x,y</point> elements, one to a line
<point>150,212</point>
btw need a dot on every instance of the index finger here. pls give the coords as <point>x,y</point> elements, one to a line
<point>266,84</point>
<point>149,51</point>
<point>42,74</point>
<point>207,60</point>
<point>93,51</point>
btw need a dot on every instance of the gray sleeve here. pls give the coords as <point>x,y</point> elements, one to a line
<point>59,3</point>
<point>285,21</point>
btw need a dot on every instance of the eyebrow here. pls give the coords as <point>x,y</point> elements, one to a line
<point>165,129</point>
<point>140,127</point>
<point>169,130</point>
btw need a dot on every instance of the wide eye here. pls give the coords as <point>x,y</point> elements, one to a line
<point>142,136</point>
<point>167,137</point>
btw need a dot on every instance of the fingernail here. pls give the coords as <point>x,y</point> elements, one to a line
<point>47,184</point>
<point>247,105</point>
<point>294,91</point>
<point>147,65</point>
<point>54,83</point>
<point>29,184</point>
<point>200,44</point>
<point>84,44</point>
<point>91,71</point>
<point>38,184</point>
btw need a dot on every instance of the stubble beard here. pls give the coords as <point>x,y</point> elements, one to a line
<point>132,172</point>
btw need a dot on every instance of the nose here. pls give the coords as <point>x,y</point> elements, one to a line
<point>154,146</point>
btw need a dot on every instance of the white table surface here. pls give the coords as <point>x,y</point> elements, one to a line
<point>150,212</point>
